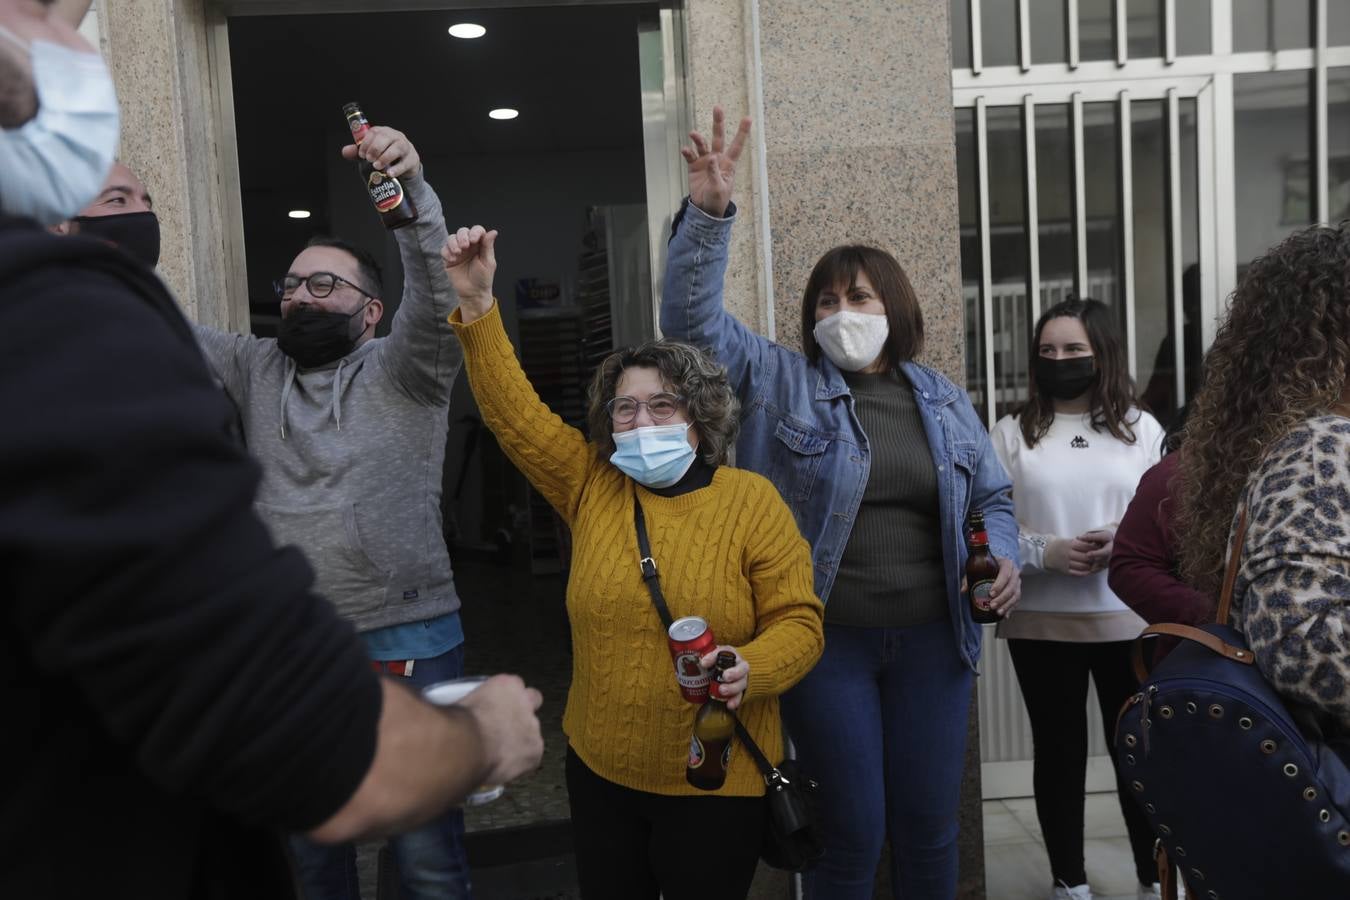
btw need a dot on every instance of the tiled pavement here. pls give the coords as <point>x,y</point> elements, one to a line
<point>1015,863</point>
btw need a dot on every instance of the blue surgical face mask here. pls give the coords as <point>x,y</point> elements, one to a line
<point>656,456</point>
<point>55,163</point>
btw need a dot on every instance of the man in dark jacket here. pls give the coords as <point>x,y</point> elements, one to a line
<point>174,695</point>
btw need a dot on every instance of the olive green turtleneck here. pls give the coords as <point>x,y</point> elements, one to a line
<point>891,573</point>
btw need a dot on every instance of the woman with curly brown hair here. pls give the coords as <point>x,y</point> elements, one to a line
<point>1075,451</point>
<point>662,422</point>
<point>1269,431</point>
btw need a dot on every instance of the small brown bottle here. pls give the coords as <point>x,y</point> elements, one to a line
<point>395,207</point>
<point>714,727</point>
<point>981,570</point>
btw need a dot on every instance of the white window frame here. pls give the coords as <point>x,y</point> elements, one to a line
<point>1208,79</point>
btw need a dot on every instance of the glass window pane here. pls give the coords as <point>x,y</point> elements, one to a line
<point>1154,292</point>
<point>1096,30</point>
<point>1272,24</point>
<point>1008,255</point>
<point>1049,33</point>
<point>969,198</point>
<point>1144,28</point>
<point>1101,183</point>
<point>1338,23</point>
<point>1272,138</point>
<point>999,18</point>
<point>960,27</point>
<point>1054,200</point>
<point>1338,144</point>
<point>1189,114</point>
<point>1149,207</point>
<point>1193,28</point>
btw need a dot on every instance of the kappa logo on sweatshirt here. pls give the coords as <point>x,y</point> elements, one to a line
<point>1079,442</point>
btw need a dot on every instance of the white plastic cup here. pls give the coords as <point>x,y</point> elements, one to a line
<point>448,693</point>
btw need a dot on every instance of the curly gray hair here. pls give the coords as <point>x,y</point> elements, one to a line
<point>685,370</point>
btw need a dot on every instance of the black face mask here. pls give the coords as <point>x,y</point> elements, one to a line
<point>1065,379</point>
<point>313,337</point>
<point>137,233</point>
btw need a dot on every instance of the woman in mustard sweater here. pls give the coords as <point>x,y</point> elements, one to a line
<point>662,418</point>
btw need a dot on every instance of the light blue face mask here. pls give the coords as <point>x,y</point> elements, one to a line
<point>656,456</point>
<point>56,163</point>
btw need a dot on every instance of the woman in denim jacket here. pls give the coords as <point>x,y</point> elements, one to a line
<point>881,461</point>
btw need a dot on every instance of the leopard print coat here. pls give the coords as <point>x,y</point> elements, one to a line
<point>1292,596</point>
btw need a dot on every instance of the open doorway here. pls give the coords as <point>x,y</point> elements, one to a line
<point>564,181</point>
<point>569,183</point>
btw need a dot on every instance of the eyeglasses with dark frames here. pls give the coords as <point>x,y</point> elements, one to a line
<point>319,284</point>
<point>660,407</point>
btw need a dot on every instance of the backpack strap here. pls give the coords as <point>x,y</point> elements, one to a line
<point>1167,873</point>
<point>1206,639</point>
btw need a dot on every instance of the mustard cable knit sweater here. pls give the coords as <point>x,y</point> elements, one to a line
<point>729,552</point>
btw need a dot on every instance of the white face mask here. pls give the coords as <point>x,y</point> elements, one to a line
<point>54,164</point>
<point>851,340</point>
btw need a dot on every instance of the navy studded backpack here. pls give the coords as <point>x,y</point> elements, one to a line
<point>1247,803</point>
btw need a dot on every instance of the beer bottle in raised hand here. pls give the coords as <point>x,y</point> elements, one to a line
<point>714,727</point>
<point>981,570</point>
<point>395,207</point>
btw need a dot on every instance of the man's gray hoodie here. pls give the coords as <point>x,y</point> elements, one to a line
<point>352,451</point>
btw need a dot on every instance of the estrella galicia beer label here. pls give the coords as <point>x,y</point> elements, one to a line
<point>385,191</point>
<point>979,594</point>
<point>695,752</point>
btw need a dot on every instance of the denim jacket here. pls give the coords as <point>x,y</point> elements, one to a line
<point>799,429</point>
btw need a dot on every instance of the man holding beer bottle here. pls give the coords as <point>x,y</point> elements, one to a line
<point>350,430</point>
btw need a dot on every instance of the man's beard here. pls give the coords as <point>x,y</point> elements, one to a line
<point>18,99</point>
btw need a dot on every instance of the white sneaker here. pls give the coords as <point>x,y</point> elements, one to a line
<point>1064,892</point>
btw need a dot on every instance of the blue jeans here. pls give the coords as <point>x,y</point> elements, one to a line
<point>881,722</point>
<point>431,861</point>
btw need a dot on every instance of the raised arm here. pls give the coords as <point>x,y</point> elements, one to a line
<point>553,455</point>
<point>227,356</point>
<point>691,302</point>
<point>421,352</point>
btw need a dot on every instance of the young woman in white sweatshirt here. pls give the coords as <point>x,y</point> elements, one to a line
<point>1075,452</point>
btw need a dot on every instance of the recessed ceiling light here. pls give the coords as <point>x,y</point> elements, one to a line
<point>467,30</point>
<point>298,214</point>
<point>504,113</point>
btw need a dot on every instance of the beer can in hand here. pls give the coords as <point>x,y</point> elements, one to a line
<point>690,640</point>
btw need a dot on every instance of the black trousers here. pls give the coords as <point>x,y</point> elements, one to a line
<point>632,845</point>
<point>1054,679</point>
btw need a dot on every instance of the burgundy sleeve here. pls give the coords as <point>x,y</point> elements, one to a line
<point>1143,570</point>
<point>135,568</point>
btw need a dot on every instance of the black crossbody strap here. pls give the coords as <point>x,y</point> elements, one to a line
<point>652,579</point>
<point>649,574</point>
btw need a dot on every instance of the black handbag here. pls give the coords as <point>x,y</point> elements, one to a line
<point>791,839</point>
<point>1245,802</point>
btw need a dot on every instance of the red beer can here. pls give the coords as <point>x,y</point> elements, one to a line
<point>690,640</point>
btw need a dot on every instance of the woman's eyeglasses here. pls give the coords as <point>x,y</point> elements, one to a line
<point>660,407</point>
